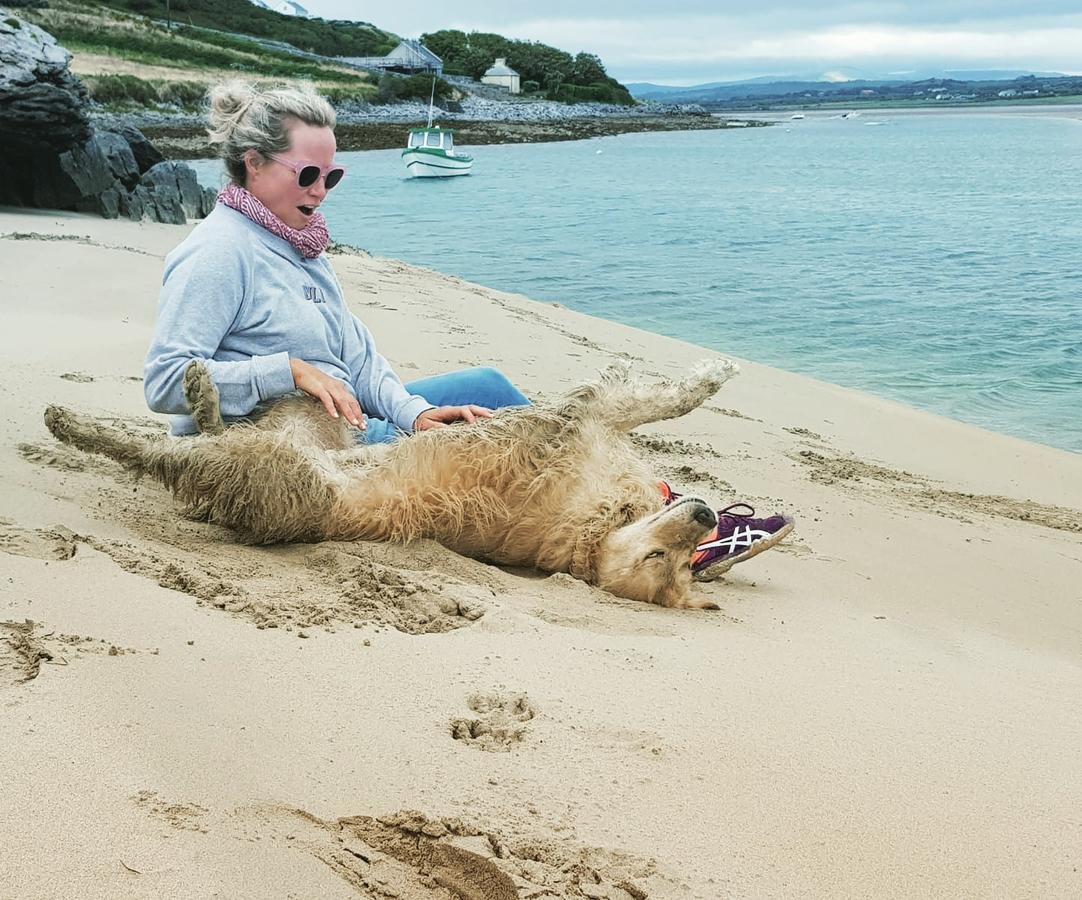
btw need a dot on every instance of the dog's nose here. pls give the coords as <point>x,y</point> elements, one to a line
<point>704,515</point>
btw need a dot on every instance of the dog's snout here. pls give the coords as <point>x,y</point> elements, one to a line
<point>705,516</point>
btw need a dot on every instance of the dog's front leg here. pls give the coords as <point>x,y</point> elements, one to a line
<point>202,396</point>
<point>690,602</point>
<point>629,404</point>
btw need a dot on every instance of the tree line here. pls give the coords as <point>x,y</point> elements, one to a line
<point>555,72</point>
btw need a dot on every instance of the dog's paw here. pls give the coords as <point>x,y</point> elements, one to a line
<point>616,372</point>
<point>697,603</point>
<point>202,396</point>
<point>714,371</point>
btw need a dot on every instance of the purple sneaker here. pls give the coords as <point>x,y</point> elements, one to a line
<point>737,537</point>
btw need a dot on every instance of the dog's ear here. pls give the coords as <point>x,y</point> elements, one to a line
<point>584,556</point>
<point>584,560</point>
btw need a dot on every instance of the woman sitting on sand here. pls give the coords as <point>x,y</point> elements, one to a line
<point>251,292</point>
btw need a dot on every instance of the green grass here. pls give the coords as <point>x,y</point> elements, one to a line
<point>327,38</point>
<point>127,92</point>
<point>153,47</point>
<point>83,27</point>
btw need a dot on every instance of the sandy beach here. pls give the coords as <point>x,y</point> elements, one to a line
<point>888,705</point>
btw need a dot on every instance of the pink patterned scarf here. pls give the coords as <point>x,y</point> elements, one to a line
<point>309,242</point>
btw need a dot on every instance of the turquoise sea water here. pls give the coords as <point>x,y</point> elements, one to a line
<point>932,259</point>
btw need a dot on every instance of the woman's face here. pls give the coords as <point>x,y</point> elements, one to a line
<point>276,186</point>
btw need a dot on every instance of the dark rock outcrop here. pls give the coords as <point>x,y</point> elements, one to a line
<point>42,103</point>
<point>50,155</point>
<point>145,153</point>
<point>122,163</point>
<point>169,192</point>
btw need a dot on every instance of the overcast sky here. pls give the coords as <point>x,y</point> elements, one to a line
<point>718,40</point>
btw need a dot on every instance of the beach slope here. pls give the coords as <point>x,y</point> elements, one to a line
<point>889,704</point>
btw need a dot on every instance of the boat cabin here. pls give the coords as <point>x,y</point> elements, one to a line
<point>431,139</point>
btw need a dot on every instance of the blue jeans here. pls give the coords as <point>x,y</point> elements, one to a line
<point>481,386</point>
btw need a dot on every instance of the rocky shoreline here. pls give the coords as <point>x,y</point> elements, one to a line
<point>475,119</point>
<point>187,139</point>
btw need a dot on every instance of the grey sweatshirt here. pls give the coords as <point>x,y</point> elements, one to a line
<point>245,301</point>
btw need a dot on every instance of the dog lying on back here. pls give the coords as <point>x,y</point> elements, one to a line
<point>557,486</point>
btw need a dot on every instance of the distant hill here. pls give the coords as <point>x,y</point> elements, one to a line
<point>718,92</point>
<point>774,86</point>
<point>644,90</point>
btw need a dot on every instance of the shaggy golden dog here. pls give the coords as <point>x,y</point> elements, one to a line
<point>557,486</point>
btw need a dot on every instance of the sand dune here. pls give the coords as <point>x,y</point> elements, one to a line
<point>890,704</point>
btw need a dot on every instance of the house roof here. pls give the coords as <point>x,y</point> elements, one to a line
<point>416,47</point>
<point>501,69</point>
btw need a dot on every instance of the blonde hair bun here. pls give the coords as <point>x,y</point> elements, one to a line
<point>243,116</point>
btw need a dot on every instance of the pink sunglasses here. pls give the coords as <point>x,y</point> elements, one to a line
<point>308,172</point>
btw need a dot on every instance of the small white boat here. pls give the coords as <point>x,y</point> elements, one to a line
<point>430,153</point>
<point>797,116</point>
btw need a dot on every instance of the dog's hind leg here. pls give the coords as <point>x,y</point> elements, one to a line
<point>628,403</point>
<point>265,485</point>
<point>94,437</point>
<point>202,397</point>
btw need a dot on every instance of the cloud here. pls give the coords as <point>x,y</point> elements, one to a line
<point>717,45</point>
<point>711,40</point>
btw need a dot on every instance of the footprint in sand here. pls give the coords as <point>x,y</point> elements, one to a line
<point>21,654</point>
<point>805,433</point>
<point>37,543</point>
<point>500,723</point>
<point>408,854</point>
<point>182,816</point>
<point>24,648</point>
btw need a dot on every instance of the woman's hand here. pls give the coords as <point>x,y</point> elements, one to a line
<point>329,391</point>
<point>442,416</point>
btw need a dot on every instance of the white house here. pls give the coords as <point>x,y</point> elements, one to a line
<point>503,75</point>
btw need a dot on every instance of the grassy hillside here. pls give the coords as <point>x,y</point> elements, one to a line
<point>136,54</point>
<point>130,60</point>
<point>327,38</point>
